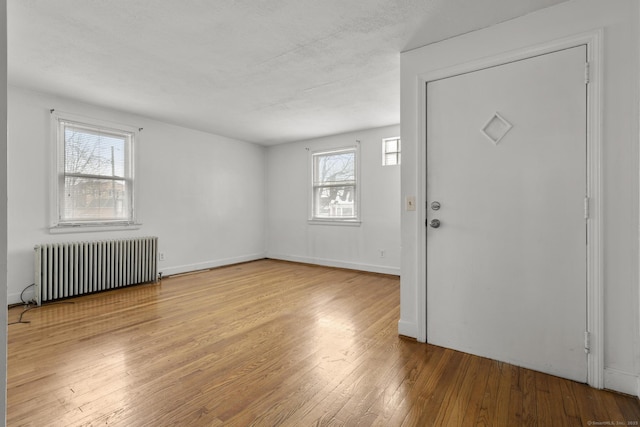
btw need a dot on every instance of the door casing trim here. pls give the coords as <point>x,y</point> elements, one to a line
<point>595,300</point>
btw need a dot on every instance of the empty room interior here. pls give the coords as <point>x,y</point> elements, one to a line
<point>302,212</point>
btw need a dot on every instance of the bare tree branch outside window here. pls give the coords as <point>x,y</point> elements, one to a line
<point>95,175</point>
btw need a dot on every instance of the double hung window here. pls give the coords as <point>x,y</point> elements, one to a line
<point>335,186</point>
<point>94,172</point>
<point>391,151</point>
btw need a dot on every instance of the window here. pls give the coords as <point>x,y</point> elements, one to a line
<point>391,151</point>
<point>334,182</point>
<point>94,172</point>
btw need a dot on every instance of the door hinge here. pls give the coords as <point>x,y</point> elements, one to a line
<point>587,342</point>
<point>586,73</point>
<point>586,207</point>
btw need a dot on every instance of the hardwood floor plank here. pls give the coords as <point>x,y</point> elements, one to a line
<point>455,403</point>
<point>516,405</point>
<point>427,382</point>
<point>443,387</point>
<point>529,402</point>
<point>267,343</point>
<point>495,397</point>
<point>630,411</point>
<point>394,404</point>
<point>609,401</point>
<point>478,392</point>
<point>565,401</point>
<point>544,399</point>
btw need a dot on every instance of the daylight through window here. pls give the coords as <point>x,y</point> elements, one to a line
<point>391,151</point>
<point>95,174</point>
<point>335,185</point>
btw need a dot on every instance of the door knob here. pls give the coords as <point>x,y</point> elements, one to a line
<point>435,205</point>
<point>435,223</point>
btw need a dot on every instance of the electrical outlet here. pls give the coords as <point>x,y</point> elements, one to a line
<point>161,256</point>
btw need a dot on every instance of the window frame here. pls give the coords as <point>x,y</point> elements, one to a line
<point>58,174</point>
<point>398,153</point>
<point>351,220</point>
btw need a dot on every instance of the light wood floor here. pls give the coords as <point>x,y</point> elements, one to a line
<point>268,343</point>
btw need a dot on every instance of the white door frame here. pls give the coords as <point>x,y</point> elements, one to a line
<point>593,41</point>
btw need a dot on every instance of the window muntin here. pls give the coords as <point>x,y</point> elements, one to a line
<point>334,185</point>
<point>94,173</point>
<point>391,151</point>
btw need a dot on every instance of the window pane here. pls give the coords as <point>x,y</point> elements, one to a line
<point>391,159</point>
<point>94,153</point>
<point>87,199</point>
<point>335,168</point>
<point>335,202</point>
<point>391,149</point>
<point>391,145</point>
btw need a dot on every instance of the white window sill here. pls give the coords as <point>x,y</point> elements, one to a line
<point>90,228</point>
<point>347,222</point>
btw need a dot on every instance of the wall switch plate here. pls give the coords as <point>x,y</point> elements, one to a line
<point>410,203</point>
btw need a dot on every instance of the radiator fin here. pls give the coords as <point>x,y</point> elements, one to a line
<point>64,270</point>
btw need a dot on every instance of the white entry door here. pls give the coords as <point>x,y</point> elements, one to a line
<point>506,178</point>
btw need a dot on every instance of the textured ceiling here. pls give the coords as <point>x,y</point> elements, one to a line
<point>265,71</point>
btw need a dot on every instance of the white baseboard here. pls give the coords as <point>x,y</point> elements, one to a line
<point>395,271</point>
<point>624,382</point>
<point>14,297</point>
<point>187,268</point>
<point>408,329</point>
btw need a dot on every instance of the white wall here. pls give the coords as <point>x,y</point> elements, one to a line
<point>291,237</point>
<point>3,210</point>
<point>201,194</point>
<point>620,173</point>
